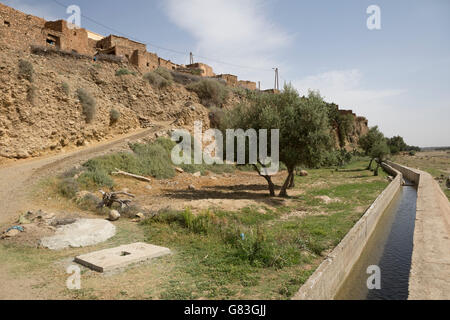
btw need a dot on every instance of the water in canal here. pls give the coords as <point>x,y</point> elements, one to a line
<point>390,248</point>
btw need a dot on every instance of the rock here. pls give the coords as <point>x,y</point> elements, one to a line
<point>114,215</point>
<point>140,215</point>
<point>148,187</point>
<point>213,178</point>
<point>23,220</point>
<point>11,233</point>
<point>197,174</point>
<point>303,173</point>
<point>179,170</point>
<point>126,190</point>
<point>192,187</point>
<point>82,233</point>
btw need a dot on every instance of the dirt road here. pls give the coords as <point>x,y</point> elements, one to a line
<point>17,179</point>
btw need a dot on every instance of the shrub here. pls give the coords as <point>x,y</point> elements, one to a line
<point>109,58</point>
<point>31,94</point>
<point>123,71</point>
<point>185,78</point>
<point>65,88</point>
<point>88,103</point>
<point>95,178</point>
<point>68,187</point>
<point>114,115</point>
<point>45,50</point>
<point>26,70</point>
<point>156,80</point>
<point>210,91</point>
<point>165,73</point>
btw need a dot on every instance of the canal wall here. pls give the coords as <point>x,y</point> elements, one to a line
<point>430,267</point>
<point>408,173</point>
<point>325,282</point>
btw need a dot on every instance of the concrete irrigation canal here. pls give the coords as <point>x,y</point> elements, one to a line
<point>390,248</point>
<point>405,234</point>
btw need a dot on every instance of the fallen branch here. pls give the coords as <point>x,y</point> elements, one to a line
<point>110,197</point>
<point>123,173</point>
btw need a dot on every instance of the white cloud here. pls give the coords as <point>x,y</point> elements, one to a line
<point>345,88</point>
<point>234,31</point>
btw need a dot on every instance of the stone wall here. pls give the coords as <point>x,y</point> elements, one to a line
<point>20,30</point>
<point>247,85</point>
<point>206,71</point>
<point>230,79</point>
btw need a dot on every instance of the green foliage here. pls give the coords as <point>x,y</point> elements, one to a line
<point>124,71</point>
<point>367,141</point>
<point>165,73</point>
<point>379,152</point>
<point>68,187</point>
<point>210,91</point>
<point>95,178</point>
<point>156,80</point>
<point>303,124</point>
<point>26,70</point>
<point>114,115</point>
<point>88,103</point>
<point>396,144</point>
<point>146,160</point>
<point>65,88</point>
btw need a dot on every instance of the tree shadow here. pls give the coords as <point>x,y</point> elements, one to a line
<point>237,192</point>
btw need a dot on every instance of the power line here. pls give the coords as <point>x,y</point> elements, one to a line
<point>160,47</point>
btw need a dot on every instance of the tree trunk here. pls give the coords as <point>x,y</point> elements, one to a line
<point>376,170</point>
<point>292,182</point>
<point>268,179</point>
<point>283,192</point>
<point>370,165</point>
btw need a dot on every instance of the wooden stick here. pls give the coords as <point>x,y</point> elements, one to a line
<point>123,173</point>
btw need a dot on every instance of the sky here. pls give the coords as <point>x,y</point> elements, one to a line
<point>397,77</point>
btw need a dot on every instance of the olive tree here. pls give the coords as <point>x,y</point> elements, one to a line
<point>379,152</point>
<point>369,140</point>
<point>304,131</point>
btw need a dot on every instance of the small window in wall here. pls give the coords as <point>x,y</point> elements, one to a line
<point>148,64</point>
<point>7,23</point>
<point>52,41</point>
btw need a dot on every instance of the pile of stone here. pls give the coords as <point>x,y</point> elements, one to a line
<point>31,221</point>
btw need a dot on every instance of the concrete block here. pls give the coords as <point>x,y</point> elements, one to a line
<point>120,257</point>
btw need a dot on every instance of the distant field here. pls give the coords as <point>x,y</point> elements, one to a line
<point>436,163</point>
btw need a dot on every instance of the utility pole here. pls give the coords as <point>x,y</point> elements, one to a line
<point>259,85</point>
<point>191,58</point>
<point>277,80</point>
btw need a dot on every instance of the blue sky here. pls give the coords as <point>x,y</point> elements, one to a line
<point>398,77</point>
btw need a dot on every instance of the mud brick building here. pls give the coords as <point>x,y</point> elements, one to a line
<point>21,31</point>
<point>247,85</point>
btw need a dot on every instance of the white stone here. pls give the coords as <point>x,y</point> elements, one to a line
<point>82,233</point>
<point>114,215</point>
<point>120,257</point>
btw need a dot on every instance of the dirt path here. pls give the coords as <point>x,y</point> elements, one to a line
<point>17,179</point>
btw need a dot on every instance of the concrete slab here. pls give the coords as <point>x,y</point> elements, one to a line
<point>82,233</point>
<point>119,257</point>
